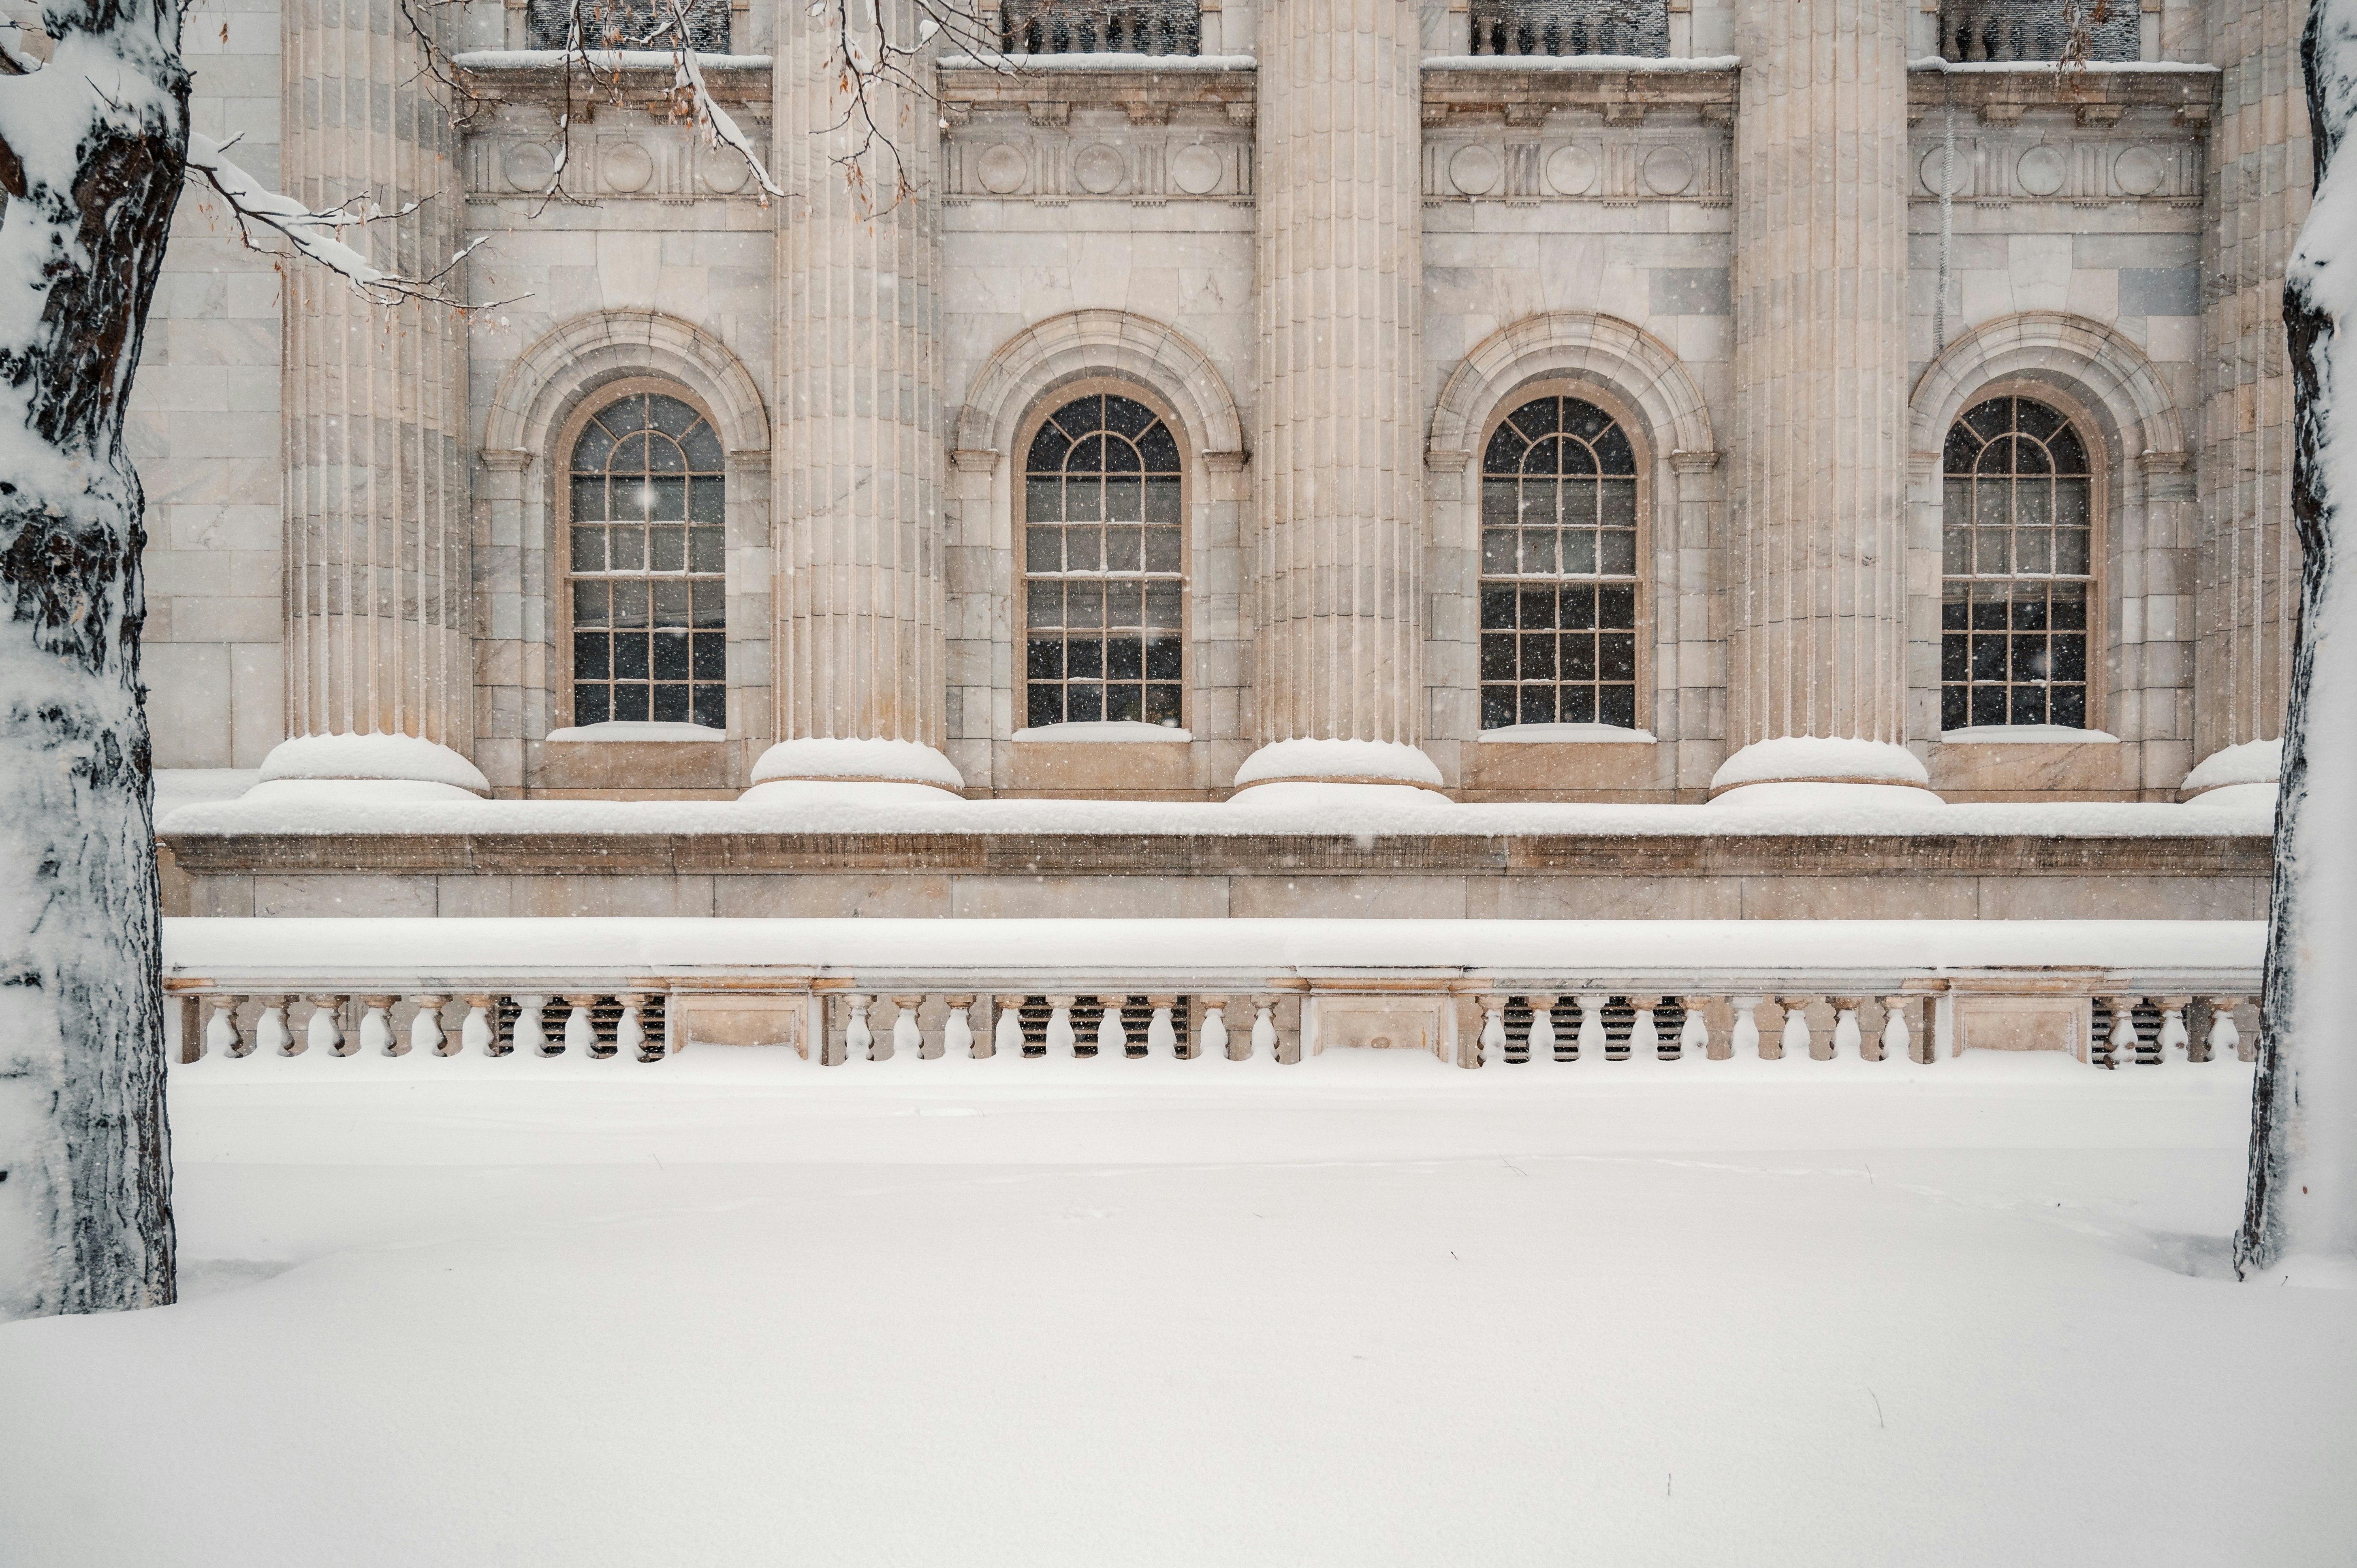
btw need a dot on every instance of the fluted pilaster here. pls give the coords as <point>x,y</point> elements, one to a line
<point>1338,434</point>
<point>379,596</point>
<point>860,590</point>
<point>1819,476</point>
<point>2262,171</point>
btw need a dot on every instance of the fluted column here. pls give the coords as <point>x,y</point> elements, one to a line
<point>1338,434</point>
<point>1820,382</point>
<point>380,596</point>
<point>2261,169</point>
<point>860,588</point>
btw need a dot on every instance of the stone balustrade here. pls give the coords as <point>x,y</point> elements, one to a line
<point>1097,27</point>
<point>1646,1004</point>
<point>1571,28</point>
<point>2035,29</point>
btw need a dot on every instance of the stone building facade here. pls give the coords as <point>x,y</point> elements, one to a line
<point>1196,402</point>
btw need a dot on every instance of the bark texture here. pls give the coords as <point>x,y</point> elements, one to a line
<point>2302,1200</point>
<point>90,154</point>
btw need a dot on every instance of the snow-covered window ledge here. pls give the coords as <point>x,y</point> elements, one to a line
<point>614,730</point>
<point>2027,735</point>
<point>1568,734</point>
<point>1114,732</point>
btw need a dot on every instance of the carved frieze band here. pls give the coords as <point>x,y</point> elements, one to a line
<point>654,161</point>
<point>1636,168</point>
<point>989,163</point>
<point>2030,167</point>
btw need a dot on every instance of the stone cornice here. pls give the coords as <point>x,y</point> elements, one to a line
<point>2093,97</point>
<point>742,87</point>
<point>1621,97</point>
<point>1146,95</point>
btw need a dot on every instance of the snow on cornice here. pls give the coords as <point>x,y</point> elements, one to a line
<point>602,59</point>
<point>1580,62</point>
<point>1019,64</point>
<point>2051,68</point>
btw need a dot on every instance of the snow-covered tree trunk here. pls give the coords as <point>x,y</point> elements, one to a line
<point>2302,1209</point>
<point>91,146</point>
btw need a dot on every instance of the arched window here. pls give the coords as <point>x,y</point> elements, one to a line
<point>1558,568</point>
<point>647,546</point>
<point>2018,547</point>
<point>1101,565</point>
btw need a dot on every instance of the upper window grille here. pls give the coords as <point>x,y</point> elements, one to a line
<point>1101,565</point>
<point>1097,27</point>
<point>1558,568</point>
<point>1571,28</point>
<point>2041,30</point>
<point>628,24</point>
<point>647,546</point>
<point>2017,545</point>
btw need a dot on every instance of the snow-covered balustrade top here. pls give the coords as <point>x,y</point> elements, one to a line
<point>1476,993</point>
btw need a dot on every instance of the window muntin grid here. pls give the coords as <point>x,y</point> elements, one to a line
<point>1101,566</point>
<point>2017,568</point>
<point>1558,568</point>
<point>647,545</point>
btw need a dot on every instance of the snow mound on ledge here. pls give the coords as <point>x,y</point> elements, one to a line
<point>1809,808</point>
<point>821,795</point>
<point>2253,762</point>
<point>1100,731</point>
<point>1806,758</point>
<point>639,730</point>
<point>1341,761</point>
<point>813,756</point>
<point>1335,801</point>
<point>379,756</point>
<point>2253,797</point>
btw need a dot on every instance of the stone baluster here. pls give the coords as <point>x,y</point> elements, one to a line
<point>1493,1029</point>
<point>1818,482</point>
<point>1338,421</point>
<point>1007,1033</point>
<point>858,1040</point>
<point>2122,1043</point>
<point>1594,1045</point>
<point>324,1029</point>
<point>376,1025</point>
<point>1896,1042</point>
<point>1747,1040</point>
<point>1849,1040</point>
<point>1113,1034</point>
<point>908,1035</point>
<point>530,1038</point>
<point>957,1029</point>
<point>1161,1035</point>
<point>2223,1036</point>
<point>1214,1040</point>
<point>271,1035</point>
<point>1540,1042</point>
<point>1263,1029</point>
<point>630,1028</point>
<point>2172,1026</point>
<point>221,1036</point>
<point>425,1037</point>
<point>1797,1037</point>
<point>1062,1041</point>
<point>860,588</point>
<point>1644,1037</point>
<point>580,1035</point>
<point>480,1035</point>
<point>1694,1037</point>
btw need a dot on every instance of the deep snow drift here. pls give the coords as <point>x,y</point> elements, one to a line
<point>732,1308</point>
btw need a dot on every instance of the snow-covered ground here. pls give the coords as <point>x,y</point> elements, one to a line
<point>730,1308</point>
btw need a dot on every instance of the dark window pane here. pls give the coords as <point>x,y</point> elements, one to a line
<point>1616,656</point>
<point>1124,549</point>
<point>1580,603</point>
<point>1085,604</point>
<point>1620,554</point>
<point>1504,453</point>
<point>2070,707</point>
<point>1127,416</point>
<point>1125,703</point>
<point>1044,603</point>
<point>630,704</point>
<point>627,546</point>
<point>1160,451</point>
<point>1048,449</point>
<point>1498,552</point>
<point>1578,657</point>
<point>1953,711</point>
<point>669,415</point>
<point>591,704</point>
<point>631,655</point>
<point>1538,704</point>
<point>629,456</point>
<point>671,601</point>
<point>2029,610</point>
<point>589,655</point>
<point>2070,657</point>
<point>1501,503</point>
<point>1121,457</point>
<point>1574,458</point>
<point>704,455</point>
<point>671,655</point>
<point>1162,706</point>
<point>1545,458</point>
<point>1084,548</point>
<point>1043,658</point>
<point>1616,705</point>
<point>590,453</point>
<point>1043,499</point>
<point>671,703</point>
<point>1538,551</point>
<point>2070,456</point>
<point>1125,604</point>
<point>2029,705</point>
<point>665,457</point>
<point>712,706</point>
<point>1161,549</point>
<point>1613,453</point>
<point>1538,608</point>
<point>1616,607</point>
<point>588,498</point>
<point>1497,708</point>
<point>1497,656</point>
<point>1045,706</point>
<point>1988,659</point>
<point>1124,659</point>
<point>1955,661</point>
<point>589,601</point>
<point>1043,549</point>
<point>1088,456</point>
<point>630,603</point>
<point>667,549</point>
<point>1162,501</point>
<point>1081,416</point>
<point>1164,659</point>
<point>2070,608</point>
<point>1579,705</point>
<point>1963,447</point>
<point>1084,702</point>
<point>711,661</point>
<point>706,550</point>
<point>1989,706</point>
<point>1538,417</point>
<point>1497,608</point>
<point>1162,606</point>
<point>1538,656</point>
<point>710,602</point>
<point>666,500</point>
<point>1084,659</point>
<point>589,549</point>
<point>1991,419</point>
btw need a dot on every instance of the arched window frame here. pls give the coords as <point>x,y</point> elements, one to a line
<point>2103,641</point>
<point>1633,426</point>
<point>561,513</point>
<point>1044,408</point>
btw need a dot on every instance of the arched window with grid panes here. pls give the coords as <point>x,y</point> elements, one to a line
<point>648,547</point>
<point>1559,582</point>
<point>2017,538</point>
<point>1102,627</point>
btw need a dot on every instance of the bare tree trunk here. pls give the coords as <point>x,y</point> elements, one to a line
<point>2302,1200</point>
<point>92,148</point>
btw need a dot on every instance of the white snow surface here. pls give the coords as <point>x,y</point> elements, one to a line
<point>1606,735</point>
<point>2025,735</point>
<point>602,60</point>
<point>1580,62</point>
<point>1805,757</point>
<point>813,757</point>
<point>2253,762</point>
<point>637,730</point>
<point>1340,760</point>
<point>178,786</point>
<point>404,756</point>
<point>1110,60</point>
<point>1367,1310</point>
<point>2101,67</point>
<point>1106,731</point>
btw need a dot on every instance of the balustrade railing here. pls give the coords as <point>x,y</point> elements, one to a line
<point>2039,29</point>
<point>1094,27</point>
<point>1571,28</point>
<point>1656,1009</point>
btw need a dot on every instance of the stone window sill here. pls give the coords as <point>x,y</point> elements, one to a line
<point>2026,735</point>
<point>1567,735</point>
<point>637,732</point>
<point>1115,732</point>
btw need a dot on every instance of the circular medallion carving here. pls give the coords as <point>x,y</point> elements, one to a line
<point>1195,170</point>
<point>527,165</point>
<point>1571,171</point>
<point>1098,169</point>
<point>2040,170</point>
<point>1001,169</point>
<point>1476,170</point>
<point>1935,160</point>
<point>2139,171</point>
<point>626,165</point>
<point>723,170</point>
<point>1668,171</point>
